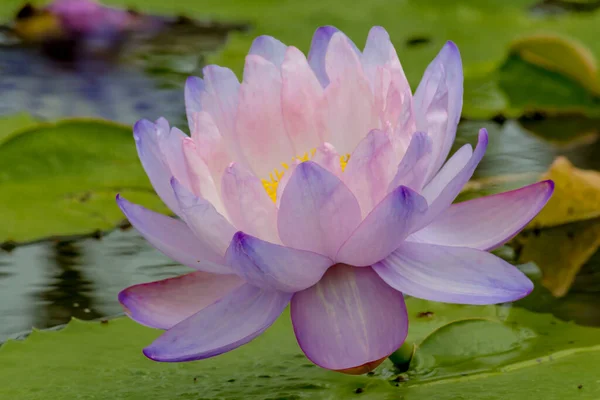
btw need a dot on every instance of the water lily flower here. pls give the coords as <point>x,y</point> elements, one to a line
<point>322,183</point>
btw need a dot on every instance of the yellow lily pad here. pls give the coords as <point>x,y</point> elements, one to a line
<point>560,252</point>
<point>562,238</point>
<point>576,195</point>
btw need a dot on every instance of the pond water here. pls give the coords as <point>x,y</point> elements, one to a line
<point>45,284</point>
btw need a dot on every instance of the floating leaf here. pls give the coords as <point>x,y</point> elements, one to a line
<point>560,54</point>
<point>560,251</point>
<point>469,344</point>
<point>566,233</point>
<point>103,360</point>
<point>576,195</point>
<point>61,179</point>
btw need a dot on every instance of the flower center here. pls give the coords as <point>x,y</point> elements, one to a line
<point>272,182</point>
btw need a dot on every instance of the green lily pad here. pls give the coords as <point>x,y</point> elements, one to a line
<point>60,179</point>
<point>472,343</point>
<point>104,360</point>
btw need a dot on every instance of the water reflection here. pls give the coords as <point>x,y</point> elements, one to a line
<point>68,293</point>
<point>124,72</point>
<point>44,285</point>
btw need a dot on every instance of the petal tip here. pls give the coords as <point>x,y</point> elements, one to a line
<point>325,31</point>
<point>151,354</point>
<point>550,185</point>
<point>140,127</point>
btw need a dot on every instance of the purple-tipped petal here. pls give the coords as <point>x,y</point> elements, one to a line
<point>412,168</point>
<point>269,48</point>
<point>370,169</point>
<point>349,319</point>
<point>165,303</point>
<point>439,202</point>
<point>384,229</point>
<point>318,49</point>
<point>236,319</point>
<point>438,103</point>
<point>274,267</point>
<point>155,142</point>
<point>317,211</point>
<point>194,87</point>
<point>452,275</point>
<point>486,222</point>
<point>202,218</point>
<point>173,238</point>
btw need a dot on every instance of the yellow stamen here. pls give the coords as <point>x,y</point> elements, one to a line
<point>272,182</point>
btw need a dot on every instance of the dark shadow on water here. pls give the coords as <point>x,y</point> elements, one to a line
<point>46,284</point>
<point>68,292</point>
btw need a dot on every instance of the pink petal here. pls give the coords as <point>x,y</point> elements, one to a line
<point>203,219</point>
<point>349,104</point>
<point>236,319</point>
<point>301,94</point>
<point>327,157</point>
<point>317,211</point>
<point>173,238</point>
<point>220,99</point>
<point>211,146</point>
<point>370,169</point>
<point>438,202</point>
<point>384,229</point>
<point>393,96</point>
<point>348,319</point>
<point>165,303</point>
<point>274,267</point>
<point>486,222</point>
<point>248,205</point>
<point>438,103</point>
<point>452,275</point>
<point>260,130</point>
<point>269,48</point>
<point>412,169</point>
<point>284,181</point>
<point>194,87</point>
<point>201,180</point>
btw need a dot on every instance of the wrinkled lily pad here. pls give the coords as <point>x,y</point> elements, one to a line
<point>103,360</point>
<point>60,179</point>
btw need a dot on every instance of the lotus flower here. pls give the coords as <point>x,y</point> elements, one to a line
<point>319,183</point>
